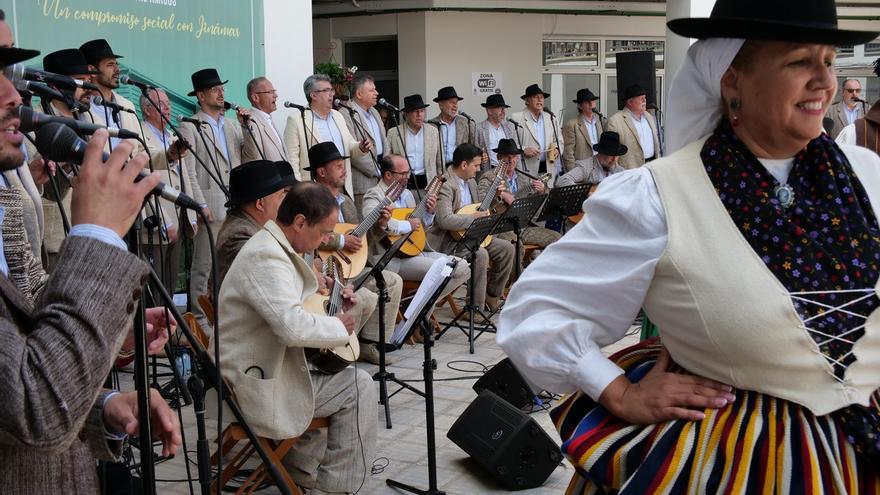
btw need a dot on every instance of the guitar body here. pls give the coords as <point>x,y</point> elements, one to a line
<point>577,218</point>
<point>352,263</point>
<point>417,240</point>
<point>469,210</point>
<point>330,361</point>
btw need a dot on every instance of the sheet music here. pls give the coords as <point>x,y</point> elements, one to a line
<point>440,271</point>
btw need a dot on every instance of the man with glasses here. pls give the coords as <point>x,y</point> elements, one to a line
<point>395,169</point>
<point>318,124</point>
<point>266,143</point>
<point>850,108</point>
<point>219,151</point>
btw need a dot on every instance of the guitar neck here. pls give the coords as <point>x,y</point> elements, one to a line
<point>334,305</point>
<point>419,212</point>
<point>370,219</point>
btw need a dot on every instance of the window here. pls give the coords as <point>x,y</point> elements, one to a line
<point>571,53</point>
<point>613,47</point>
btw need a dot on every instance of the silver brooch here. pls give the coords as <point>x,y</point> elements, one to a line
<point>785,195</point>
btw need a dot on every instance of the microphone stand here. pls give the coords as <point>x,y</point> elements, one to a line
<point>363,132</point>
<point>401,128</point>
<point>212,156</point>
<point>522,153</point>
<point>660,137</point>
<point>254,139</point>
<point>556,140</point>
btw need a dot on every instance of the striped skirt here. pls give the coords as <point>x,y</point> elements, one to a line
<point>757,444</point>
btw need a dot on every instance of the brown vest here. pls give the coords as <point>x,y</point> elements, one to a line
<point>868,130</point>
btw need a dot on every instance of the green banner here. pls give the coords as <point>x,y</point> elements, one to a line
<point>163,41</point>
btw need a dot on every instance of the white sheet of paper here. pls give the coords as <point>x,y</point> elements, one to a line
<point>440,270</point>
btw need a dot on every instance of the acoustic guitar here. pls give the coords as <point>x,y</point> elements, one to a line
<point>418,239</point>
<point>354,263</point>
<point>333,360</point>
<point>580,215</point>
<point>488,204</point>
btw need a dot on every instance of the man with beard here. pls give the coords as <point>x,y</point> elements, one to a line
<point>540,138</point>
<point>57,352</point>
<point>453,130</point>
<point>492,130</point>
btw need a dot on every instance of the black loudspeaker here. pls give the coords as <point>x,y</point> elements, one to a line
<point>506,382</point>
<point>636,68</point>
<point>506,441</point>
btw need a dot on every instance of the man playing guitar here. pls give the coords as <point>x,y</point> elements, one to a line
<point>328,169</point>
<point>394,168</point>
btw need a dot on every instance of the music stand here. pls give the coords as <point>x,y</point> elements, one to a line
<point>470,241</point>
<point>428,394</point>
<point>382,376</point>
<point>565,201</point>
<point>516,218</point>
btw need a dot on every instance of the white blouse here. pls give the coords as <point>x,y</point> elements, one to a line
<point>594,281</point>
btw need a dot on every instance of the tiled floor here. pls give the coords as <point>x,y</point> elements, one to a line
<point>402,449</point>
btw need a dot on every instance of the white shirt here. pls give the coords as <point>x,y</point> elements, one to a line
<point>496,134</point>
<point>374,127</point>
<point>646,135</point>
<point>267,119</point>
<point>449,133</point>
<point>540,133</point>
<point>591,129</point>
<point>401,227</point>
<point>465,191</point>
<point>329,131</point>
<point>415,149</point>
<point>851,113</point>
<point>555,336</point>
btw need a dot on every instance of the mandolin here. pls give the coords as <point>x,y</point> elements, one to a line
<point>333,360</point>
<point>489,203</point>
<point>418,239</point>
<point>354,263</point>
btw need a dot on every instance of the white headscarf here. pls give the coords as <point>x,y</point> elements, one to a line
<point>694,106</point>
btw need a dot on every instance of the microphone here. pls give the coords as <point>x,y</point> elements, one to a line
<point>651,106</point>
<point>384,103</point>
<point>58,142</point>
<point>18,72</point>
<point>515,123</point>
<point>290,104</point>
<point>99,100</point>
<point>39,89</point>
<point>858,100</point>
<point>339,103</point>
<point>552,115</point>
<point>125,79</point>
<point>232,106</point>
<point>31,121</point>
<point>195,122</point>
<point>463,114</point>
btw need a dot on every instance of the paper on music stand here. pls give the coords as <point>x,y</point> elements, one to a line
<point>439,271</point>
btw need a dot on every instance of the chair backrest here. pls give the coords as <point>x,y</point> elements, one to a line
<point>207,307</point>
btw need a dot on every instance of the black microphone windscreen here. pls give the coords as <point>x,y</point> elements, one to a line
<point>60,143</point>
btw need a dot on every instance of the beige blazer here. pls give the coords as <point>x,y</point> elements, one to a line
<point>212,195</point>
<point>265,329</point>
<point>465,132</point>
<point>271,146</point>
<point>433,156</point>
<point>298,140</point>
<point>185,182</point>
<point>580,146</point>
<point>837,113</point>
<point>445,218</point>
<point>528,137</point>
<point>622,123</point>
<point>364,171</point>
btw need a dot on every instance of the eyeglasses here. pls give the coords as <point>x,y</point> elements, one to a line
<point>272,92</point>
<point>853,90</point>
<point>405,172</point>
<point>325,90</point>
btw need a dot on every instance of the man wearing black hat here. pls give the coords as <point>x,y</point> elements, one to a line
<point>516,186</point>
<point>581,132</point>
<point>603,163</point>
<point>57,353</point>
<point>495,128</point>
<point>453,130</point>
<point>105,75</point>
<point>637,129</point>
<point>538,133</point>
<point>224,139</point>
<point>328,169</point>
<point>418,142</point>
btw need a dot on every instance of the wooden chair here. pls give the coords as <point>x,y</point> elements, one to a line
<point>234,434</point>
<point>207,307</point>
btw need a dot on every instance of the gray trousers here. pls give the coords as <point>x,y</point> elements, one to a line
<point>394,286</point>
<point>491,280</point>
<point>417,267</point>
<point>351,406</point>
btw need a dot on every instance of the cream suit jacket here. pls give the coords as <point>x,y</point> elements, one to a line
<point>577,137</point>
<point>265,329</point>
<point>364,172</point>
<point>186,183</point>
<point>622,123</point>
<point>527,136</point>
<point>298,140</point>
<point>433,157</point>
<point>265,138</point>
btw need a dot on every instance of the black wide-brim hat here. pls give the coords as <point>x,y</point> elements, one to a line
<point>447,93</point>
<point>285,170</point>
<point>494,101</point>
<point>204,79</point>
<point>533,90</point>
<point>323,153</point>
<point>609,144</point>
<point>413,102</point>
<point>97,50</point>
<point>585,95</point>
<point>507,147</point>
<point>813,21</point>
<point>253,180</point>
<point>633,91</point>
<point>10,55</point>
<point>67,62</point>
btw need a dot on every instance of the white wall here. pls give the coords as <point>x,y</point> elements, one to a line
<point>288,46</point>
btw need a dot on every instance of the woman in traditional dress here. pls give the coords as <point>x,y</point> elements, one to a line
<point>755,248</point>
